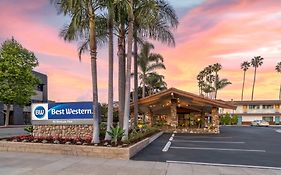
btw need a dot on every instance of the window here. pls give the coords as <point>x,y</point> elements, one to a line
<point>267,106</point>
<point>268,119</point>
<point>254,107</point>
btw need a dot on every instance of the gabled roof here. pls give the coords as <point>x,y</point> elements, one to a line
<point>193,98</point>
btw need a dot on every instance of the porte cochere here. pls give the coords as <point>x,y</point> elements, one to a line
<point>181,111</point>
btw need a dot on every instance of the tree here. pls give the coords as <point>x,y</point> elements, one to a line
<point>278,69</point>
<point>128,73</point>
<point>148,62</point>
<point>255,62</point>
<point>82,26</point>
<point>154,19</point>
<point>216,68</point>
<point>110,9</point>
<point>244,66</point>
<point>155,83</point>
<point>220,84</point>
<point>17,82</point>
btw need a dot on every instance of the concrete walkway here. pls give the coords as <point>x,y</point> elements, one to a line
<point>12,163</point>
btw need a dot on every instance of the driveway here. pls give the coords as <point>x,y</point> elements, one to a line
<point>250,146</point>
<point>14,131</point>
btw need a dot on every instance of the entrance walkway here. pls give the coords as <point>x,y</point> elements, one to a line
<point>32,164</point>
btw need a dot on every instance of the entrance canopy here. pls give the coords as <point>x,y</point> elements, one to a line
<point>161,102</point>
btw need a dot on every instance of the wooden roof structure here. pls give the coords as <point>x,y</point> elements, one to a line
<point>160,102</point>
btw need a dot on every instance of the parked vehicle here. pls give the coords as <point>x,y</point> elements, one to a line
<point>259,123</point>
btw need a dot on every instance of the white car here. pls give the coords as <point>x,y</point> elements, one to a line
<point>260,123</point>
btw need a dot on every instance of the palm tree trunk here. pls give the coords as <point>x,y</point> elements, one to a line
<point>7,116</point>
<point>135,82</point>
<point>121,72</point>
<point>93,53</point>
<point>254,82</point>
<point>280,92</point>
<point>110,76</point>
<point>242,95</point>
<point>143,87</point>
<point>128,74</point>
<point>216,82</point>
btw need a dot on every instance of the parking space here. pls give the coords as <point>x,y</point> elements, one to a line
<point>253,146</point>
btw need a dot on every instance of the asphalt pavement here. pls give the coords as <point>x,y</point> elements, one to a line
<point>246,146</point>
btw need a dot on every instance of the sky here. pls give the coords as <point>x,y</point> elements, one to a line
<point>210,31</point>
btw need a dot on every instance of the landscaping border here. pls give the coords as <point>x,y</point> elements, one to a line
<point>79,150</point>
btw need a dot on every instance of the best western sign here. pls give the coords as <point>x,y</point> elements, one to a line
<point>62,113</point>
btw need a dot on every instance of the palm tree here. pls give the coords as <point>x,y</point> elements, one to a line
<point>83,27</point>
<point>148,62</point>
<point>155,83</point>
<point>255,62</point>
<point>220,84</point>
<point>216,68</point>
<point>153,19</point>
<point>128,73</point>
<point>110,9</point>
<point>244,66</point>
<point>278,69</point>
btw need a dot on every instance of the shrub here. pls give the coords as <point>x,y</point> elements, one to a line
<point>116,134</point>
<point>234,119</point>
<point>29,129</point>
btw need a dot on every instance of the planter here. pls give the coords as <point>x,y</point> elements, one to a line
<point>78,150</point>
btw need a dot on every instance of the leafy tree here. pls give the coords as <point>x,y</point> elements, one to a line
<point>220,84</point>
<point>255,62</point>
<point>17,81</point>
<point>216,68</point>
<point>278,69</point>
<point>244,66</point>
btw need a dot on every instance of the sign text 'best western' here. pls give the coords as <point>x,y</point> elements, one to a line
<point>62,113</point>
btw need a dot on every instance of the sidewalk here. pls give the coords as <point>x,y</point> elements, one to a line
<point>42,164</point>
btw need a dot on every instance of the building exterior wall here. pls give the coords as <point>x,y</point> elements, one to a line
<point>256,110</point>
<point>1,114</point>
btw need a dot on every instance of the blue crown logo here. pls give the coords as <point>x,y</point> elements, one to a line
<point>39,112</point>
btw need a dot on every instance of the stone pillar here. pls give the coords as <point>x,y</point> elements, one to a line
<point>150,118</point>
<point>174,116</point>
<point>215,118</point>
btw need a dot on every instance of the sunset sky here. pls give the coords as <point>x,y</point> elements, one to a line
<point>210,31</point>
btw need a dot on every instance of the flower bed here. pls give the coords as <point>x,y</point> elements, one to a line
<point>23,144</point>
<point>135,136</point>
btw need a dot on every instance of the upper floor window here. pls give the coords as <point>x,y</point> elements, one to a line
<point>40,87</point>
<point>254,107</point>
<point>267,106</point>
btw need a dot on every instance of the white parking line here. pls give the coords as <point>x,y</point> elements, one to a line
<point>225,165</point>
<point>168,144</point>
<point>203,137</point>
<point>278,130</point>
<point>204,141</point>
<point>217,149</point>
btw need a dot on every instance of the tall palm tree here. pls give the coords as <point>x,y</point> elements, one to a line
<point>216,68</point>
<point>278,69</point>
<point>148,62</point>
<point>83,27</point>
<point>255,62</point>
<point>244,66</point>
<point>154,19</point>
<point>110,9</point>
<point>128,71</point>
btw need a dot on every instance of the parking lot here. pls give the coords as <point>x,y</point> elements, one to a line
<point>254,146</point>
